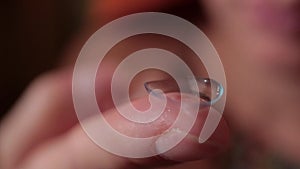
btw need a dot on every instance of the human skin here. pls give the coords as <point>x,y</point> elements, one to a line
<point>42,132</point>
<point>258,42</point>
<point>262,67</point>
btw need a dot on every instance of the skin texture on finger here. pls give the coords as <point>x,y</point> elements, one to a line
<point>189,148</point>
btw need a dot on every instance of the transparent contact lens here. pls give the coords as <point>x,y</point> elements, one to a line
<point>209,90</point>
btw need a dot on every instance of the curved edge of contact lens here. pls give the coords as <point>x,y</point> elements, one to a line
<point>219,90</point>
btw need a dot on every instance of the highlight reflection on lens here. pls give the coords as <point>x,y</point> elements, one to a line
<point>210,91</point>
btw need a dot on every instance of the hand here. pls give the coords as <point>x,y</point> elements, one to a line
<point>42,131</point>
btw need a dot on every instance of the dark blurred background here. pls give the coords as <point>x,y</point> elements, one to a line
<point>33,36</point>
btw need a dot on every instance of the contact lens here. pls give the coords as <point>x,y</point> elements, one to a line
<point>209,90</point>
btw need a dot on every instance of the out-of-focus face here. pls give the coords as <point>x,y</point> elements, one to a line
<point>259,44</point>
<point>268,28</point>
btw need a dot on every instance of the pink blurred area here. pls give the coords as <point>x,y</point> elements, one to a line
<point>38,36</point>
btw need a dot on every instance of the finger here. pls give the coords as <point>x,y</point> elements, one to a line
<point>76,150</point>
<point>189,149</point>
<point>41,113</point>
<point>44,111</point>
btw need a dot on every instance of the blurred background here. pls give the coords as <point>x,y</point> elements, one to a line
<point>37,36</point>
<point>33,36</point>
